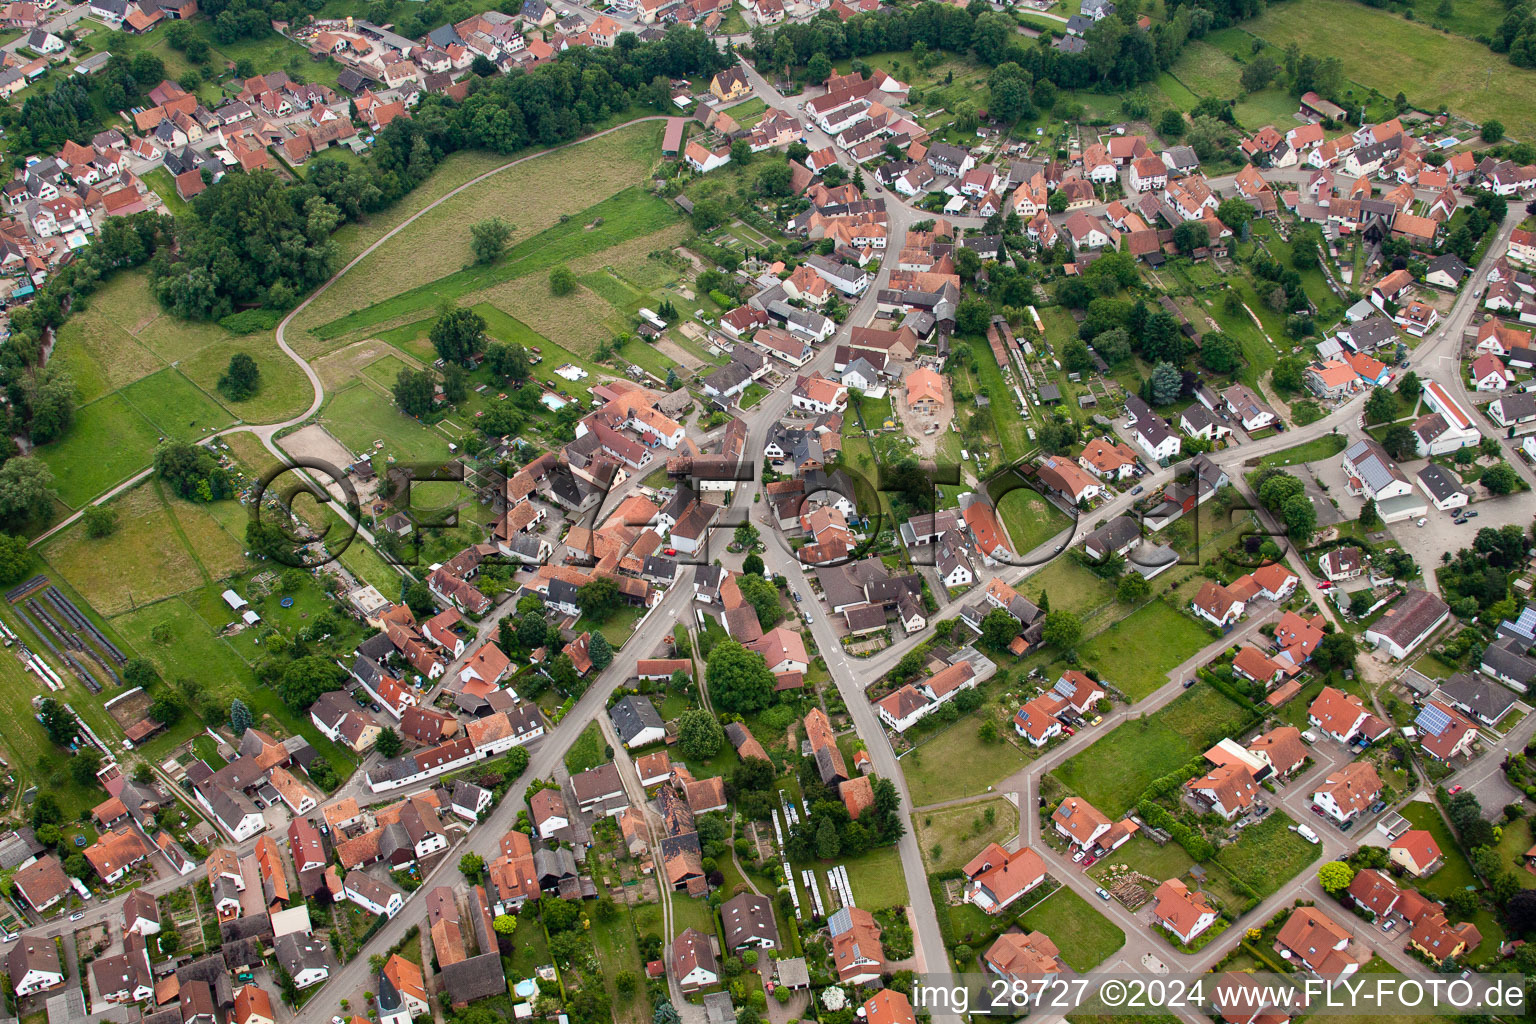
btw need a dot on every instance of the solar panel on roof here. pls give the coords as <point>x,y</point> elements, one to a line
<point>1433,720</point>
<point>1525,625</point>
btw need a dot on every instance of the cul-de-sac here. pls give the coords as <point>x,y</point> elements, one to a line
<point>709,512</point>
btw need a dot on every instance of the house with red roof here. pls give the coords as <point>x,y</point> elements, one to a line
<point>996,878</point>
<point>1183,913</point>
<point>1416,852</point>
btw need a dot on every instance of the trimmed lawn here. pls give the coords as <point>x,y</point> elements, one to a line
<point>1085,937</point>
<point>962,832</point>
<point>1268,855</point>
<point>1137,653</point>
<point>1456,872</point>
<point>876,878</point>
<point>1029,518</point>
<point>1114,772</point>
<point>1317,450</point>
<point>587,751</point>
<point>957,763</point>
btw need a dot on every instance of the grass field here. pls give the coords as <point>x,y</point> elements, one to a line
<point>1432,68</point>
<point>962,832</point>
<point>876,877</point>
<point>957,763</point>
<point>1142,854</point>
<point>587,751</point>
<point>1113,773</point>
<point>1029,518</point>
<point>1207,71</point>
<point>141,374</point>
<point>1085,937</point>
<point>1268,855</point>
<point>359,415</point>
<point>1316,450</point>
<point>1137,653</point>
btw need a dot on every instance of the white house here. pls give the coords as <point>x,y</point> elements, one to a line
<point>372,895</point>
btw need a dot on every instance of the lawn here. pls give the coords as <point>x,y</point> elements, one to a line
<point>1441,70</point>
<point>1114,772</point>
<point>1085,937</point>
<point>588,751</point>
<point>1206,71</point>
<point>1137,653</point>
<point>1143,855</point>
<point>876,878</point>
<point>176,406</point>
<point>1072,588</point>
<point>1456,872</point>
<point>957,763</point>
<point>1029,518</point>
<point>1268,855</point>
<point>632,213</point>
<point>959,833</point>
<point>1317,450</point>
<point>359,415</point>
<point>109,442</point>
<point>1007,423</point>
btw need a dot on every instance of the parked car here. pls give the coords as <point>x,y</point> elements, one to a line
<point>1188,683</point>
<point>1325,585</point>
<point>669,552</point>
<point>1421,521</point>
<point>1471,513</point>
<point>1134,490</point>
<point>1101,894</point>
<point>1089,861</point>
<point>1316,809</point>
<point>1077,857</point>
<point>1096,719</point>
<point>1071,731</point>
<point>1455,789</point>
<point>1378,807</point>
<point>1347,825</point>
<point>77,915</point>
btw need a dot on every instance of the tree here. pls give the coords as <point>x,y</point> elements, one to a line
<point>1300,518</point>
<point>1062,630</point>
<point>15,558</point>
<point>1410,387</point>
<point>100,521</point>
<point>1075,355</point>
<point>1057,203</point>
<point>600,651</point>
<point>1500,479</point>
<point>561,280</point>
<point>1167,382</point>
<point>240,717</point>
<point>739,680</point>
<point>1488,447</point>
<point>1492,131</point>
<point>488,239</point>
<point>1258,73</point>
<point>1335,877</point>
<point>599,598</point>
<point>57,722</point>
<point>998,629</point>
<point>828,845</point>
<point>1133,587</point>
<point>83,765</point>
<point>1381,407</point>
<point>699,735</point>
<point>305,679</point>
<point>170,940</point>
<point>1400,441</point>
<point>26,491</point>
<point>1520,912</point>
<point>741,152</point>
<point>752,565</point>
<point>1220,353</point>
<point>190,470</point>
<point>388,743</point>
<point>1191,235</point>
<point>241,379</point>
<point>1234,213</point>
<point>458,334</point>
<point>1171,124</point>
<point>764,599</point>
<point>1370,516</point>
<point>973,316</point>
<point>472,866</point>
<point>1287,374</point>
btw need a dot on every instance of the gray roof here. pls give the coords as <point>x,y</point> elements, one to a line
<point>1449,263</point>
<point>1479,695</point>
<point>633,715</point>
<point>748,917</point>
<point>1507,657</point>
<point>1440,483</point>
<point>1114,534</point>
<point>1370,334</point>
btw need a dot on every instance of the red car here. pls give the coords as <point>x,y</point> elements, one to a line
<point>1325,585</point>
<point>670,551</point>
<point>1088,861</point>
<point>1071,731</point>
<point>1454,790</point>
